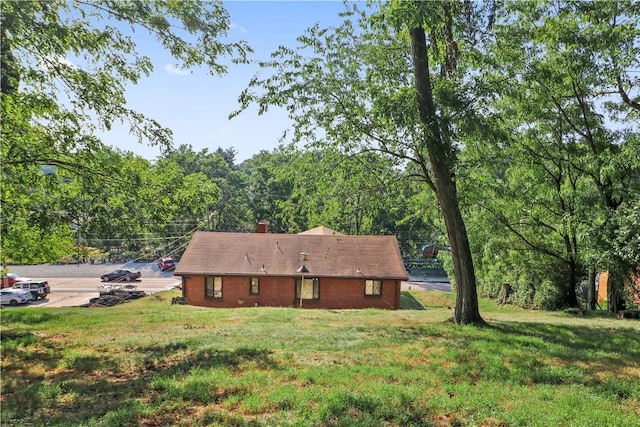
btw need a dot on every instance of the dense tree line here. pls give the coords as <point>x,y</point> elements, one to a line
<point>507,131</point>
<point>521,117</point>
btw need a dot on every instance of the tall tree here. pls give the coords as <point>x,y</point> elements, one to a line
<point>71,61</point>
<point>354,87</point>
<point>565,97</point>
<point>230,211</point>
<point>438,139</point>
<point>540,201</point>
<point>271,184</point>
<point>350,194</point>
<point>64,68</point>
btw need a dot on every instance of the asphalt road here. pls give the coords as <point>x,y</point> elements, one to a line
<point>74,285</point>
<point>422,280</point>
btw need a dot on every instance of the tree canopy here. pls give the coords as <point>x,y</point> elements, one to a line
<point>367,86</point>
<point>507,131</point>
<point>64,68</point>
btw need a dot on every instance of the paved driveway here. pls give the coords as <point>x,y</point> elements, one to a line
<point>74,285</point>
<point>86,270</point>
<point>421,282</point>
<point>426,286</point>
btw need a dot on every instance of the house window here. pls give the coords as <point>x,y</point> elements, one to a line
<point>372,288</point>
<point>213,287</point>
<point>310,289</point>
<point>254,286</point>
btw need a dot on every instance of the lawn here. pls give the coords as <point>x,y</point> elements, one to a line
<point>150,363</point>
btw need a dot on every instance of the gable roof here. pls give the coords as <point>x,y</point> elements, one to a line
<point>255,254</point>
<point>323,231</point>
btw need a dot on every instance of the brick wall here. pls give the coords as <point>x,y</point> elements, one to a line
<point>280,292</point>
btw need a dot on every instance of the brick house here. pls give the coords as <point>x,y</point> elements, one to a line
<point>318,268</point>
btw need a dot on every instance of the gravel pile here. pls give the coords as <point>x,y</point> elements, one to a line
<point>115,297</point>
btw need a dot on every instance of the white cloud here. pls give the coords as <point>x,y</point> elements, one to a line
<point>66,61</point>
<point>171,69</point>
<point>242,29</point>
<point>46,65</point>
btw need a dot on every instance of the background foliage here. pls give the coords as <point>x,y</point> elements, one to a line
<point>542,117</point>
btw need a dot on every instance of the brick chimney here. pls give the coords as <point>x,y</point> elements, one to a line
<point>262,227</point>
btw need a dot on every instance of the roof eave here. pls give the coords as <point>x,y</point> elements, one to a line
<point>333,276</point>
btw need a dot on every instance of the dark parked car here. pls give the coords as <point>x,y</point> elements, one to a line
<point>38,288</point>
<point>166,264</point>
<point>120,276</point>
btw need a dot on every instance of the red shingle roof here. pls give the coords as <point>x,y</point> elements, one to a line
<point>216,253</point>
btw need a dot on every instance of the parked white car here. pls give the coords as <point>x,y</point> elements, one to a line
<point>25,292</point>
<point>14,296</point>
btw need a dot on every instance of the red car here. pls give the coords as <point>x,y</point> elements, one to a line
<point>11,279</point>
<point>166,264</point>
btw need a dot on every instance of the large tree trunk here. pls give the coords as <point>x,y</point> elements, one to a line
<point>615,301</point>
<point>466,310</point>
<point>570,297</point>
<point>440,157</point>
<point>592,298</point>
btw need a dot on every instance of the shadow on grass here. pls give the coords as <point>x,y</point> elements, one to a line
<point>27,395</point>
<point>409,302</point>
<point>205,358</point>
<point>540,353</point>
<point>577,341</point>
<point>28,317</point>
<point>96,389</point>
<point>12,339</point>
<point>528,353</point>
<point>91,388</point>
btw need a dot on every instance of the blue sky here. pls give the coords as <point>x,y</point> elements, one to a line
<point>196,105</point>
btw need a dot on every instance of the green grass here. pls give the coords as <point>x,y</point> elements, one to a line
<point>149,363</point>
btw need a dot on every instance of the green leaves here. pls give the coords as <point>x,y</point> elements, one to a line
<point>554,70</point>
<point>64,69</point>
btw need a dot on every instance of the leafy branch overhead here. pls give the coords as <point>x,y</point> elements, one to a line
<point>65,67</point>
<point>70,62</point>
